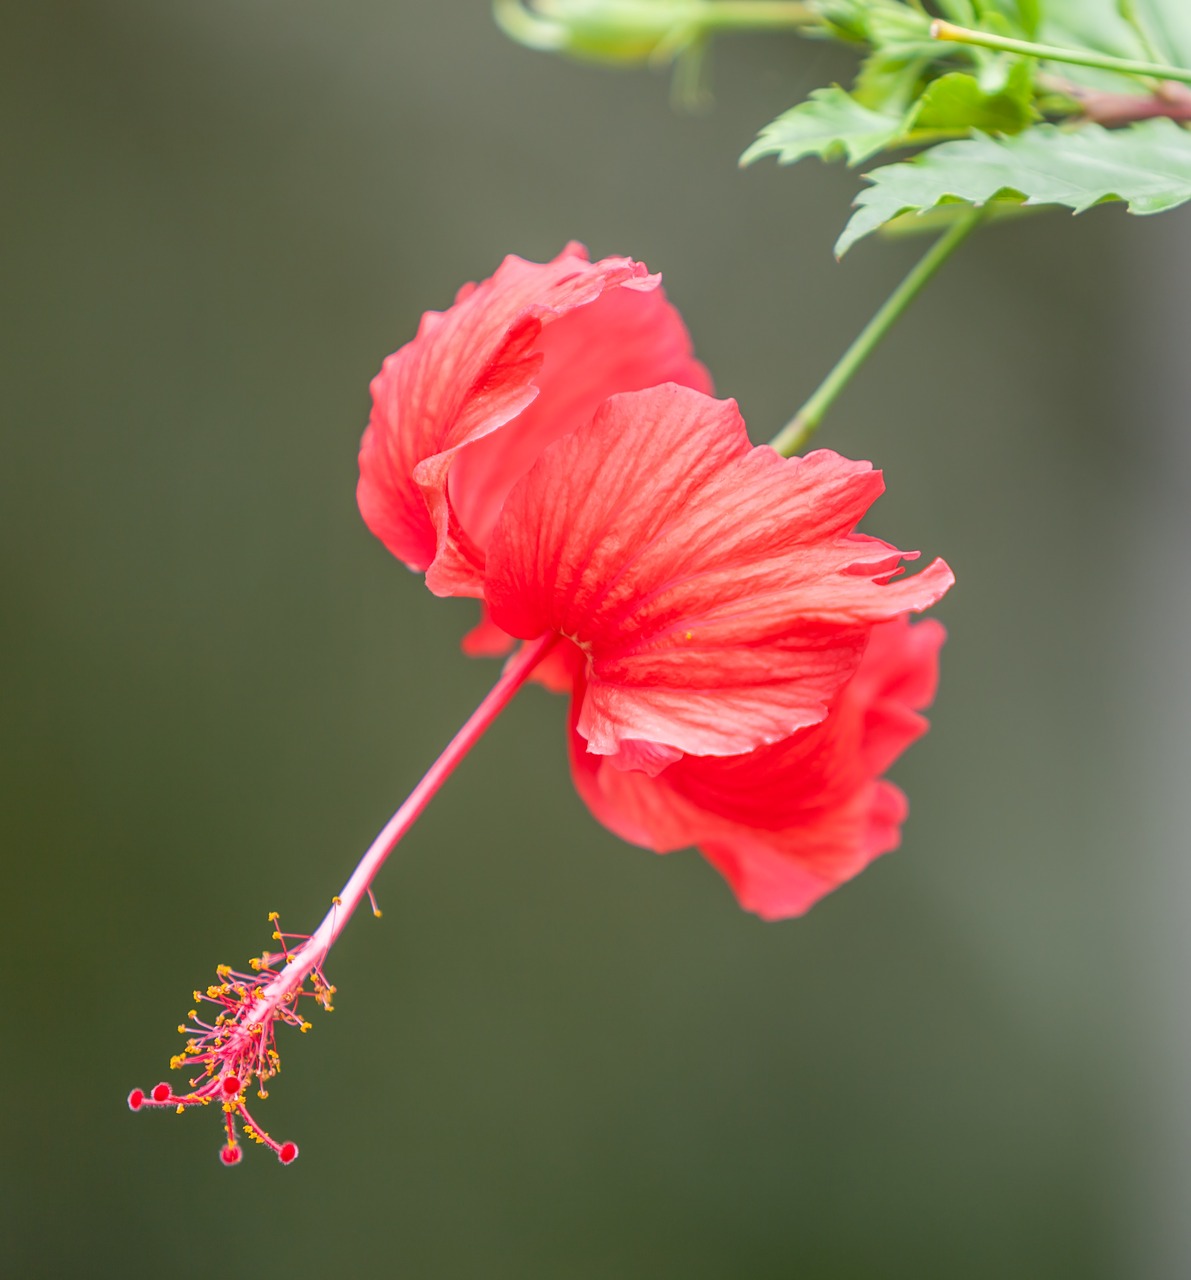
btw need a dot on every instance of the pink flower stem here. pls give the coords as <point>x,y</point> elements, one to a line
<point>1114,109</point>
<point>312,952</point>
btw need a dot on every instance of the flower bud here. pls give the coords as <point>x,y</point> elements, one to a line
<point>618,31</point>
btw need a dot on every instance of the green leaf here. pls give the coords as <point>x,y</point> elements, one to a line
<point>957,102</point>
<point>1148,166</point>
<point>830,124</point>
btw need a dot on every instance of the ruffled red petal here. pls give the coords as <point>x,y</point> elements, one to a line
<point>718,591</point>
<point>465,408</point>
<point>788,822</point>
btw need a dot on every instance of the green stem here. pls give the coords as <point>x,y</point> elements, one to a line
<point>791,438</point>
<point>941,30</point>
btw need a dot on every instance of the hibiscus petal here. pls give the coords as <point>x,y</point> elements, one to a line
<point>764,882</point>
<point>788,822</point>
<point>718,591</point>
<point>463,410</point>
<point>486,639</point>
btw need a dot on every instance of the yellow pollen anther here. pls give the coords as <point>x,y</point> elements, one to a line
<point>337,901</point>
<point>274,917</point>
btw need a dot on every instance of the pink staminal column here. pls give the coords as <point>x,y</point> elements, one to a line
<point>236,1047</point>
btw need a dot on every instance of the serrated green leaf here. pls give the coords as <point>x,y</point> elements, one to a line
<point>1147,166</point>
<point>957,102</point>
<point>830,124</point>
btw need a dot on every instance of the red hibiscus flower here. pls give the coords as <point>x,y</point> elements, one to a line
<point>741,667</point>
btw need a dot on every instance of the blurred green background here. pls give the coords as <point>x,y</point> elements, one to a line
<point>556,1056</point>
